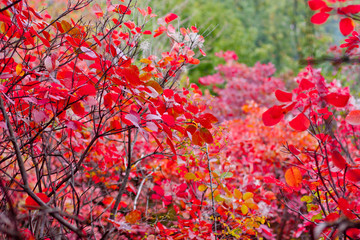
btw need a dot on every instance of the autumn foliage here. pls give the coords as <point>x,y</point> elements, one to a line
<point>99,140</point>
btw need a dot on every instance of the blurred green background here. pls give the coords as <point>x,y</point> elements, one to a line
<point>276,31</point>
<point>257,30</point>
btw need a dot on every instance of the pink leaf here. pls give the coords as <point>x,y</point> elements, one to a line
<point>97,10</point>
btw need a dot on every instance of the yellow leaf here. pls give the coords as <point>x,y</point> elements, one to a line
<point>190,176</point>
<point>218,198</point>
<point>145,60</point>
<point>202,187</point>
<point>248,195</point>
<point>307,199</point>
<point>19,70</point>
<point>3,28</point>
<point>244,209</point>
<point>237,194</point>
<point>251,204</point>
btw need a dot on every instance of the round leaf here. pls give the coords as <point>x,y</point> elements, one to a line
<point>353,118</point>
<point>293,177</point>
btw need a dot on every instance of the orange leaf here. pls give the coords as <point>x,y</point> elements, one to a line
<point>133,217</point>
<point>190,176</point>
<point>353,118</point>
<point>237,194</point>
<point>65,26</point>
<point>293,177</point>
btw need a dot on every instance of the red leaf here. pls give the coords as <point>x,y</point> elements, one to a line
<point>130,25</point>
<point>191,129</point>
<point>353,175</point>
<point>316,4</point>
<point>345,208</point>
<point>159,190</point>
<point>78,109</point>
<point>206,135</point>
<point>192,108</point>
<point>338,160</point>
<point>170,17</point>
<point>87,90</point>
<point>168,119</point>
<point>31,204</point>
<point>194,61</point>
<point>350,9</point>
<point>196,139</point>
<point>337,99</point>
<point>171,145</point>
<point>353,118</point>
<point>26,234</point>
<point>283,96</point>
<point>319,18</point>
<point>209,117</point>
<point>158,142</point>
<point>206,120</point>
<point>346,26</point>
<point>4,19</point>
<point>306,84</point>
<point>273,116</point>
<point>332,217</point>
<point>294,150</point>
<point>168,93</point>
<point>122,9</point>
<point>300,123</point>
